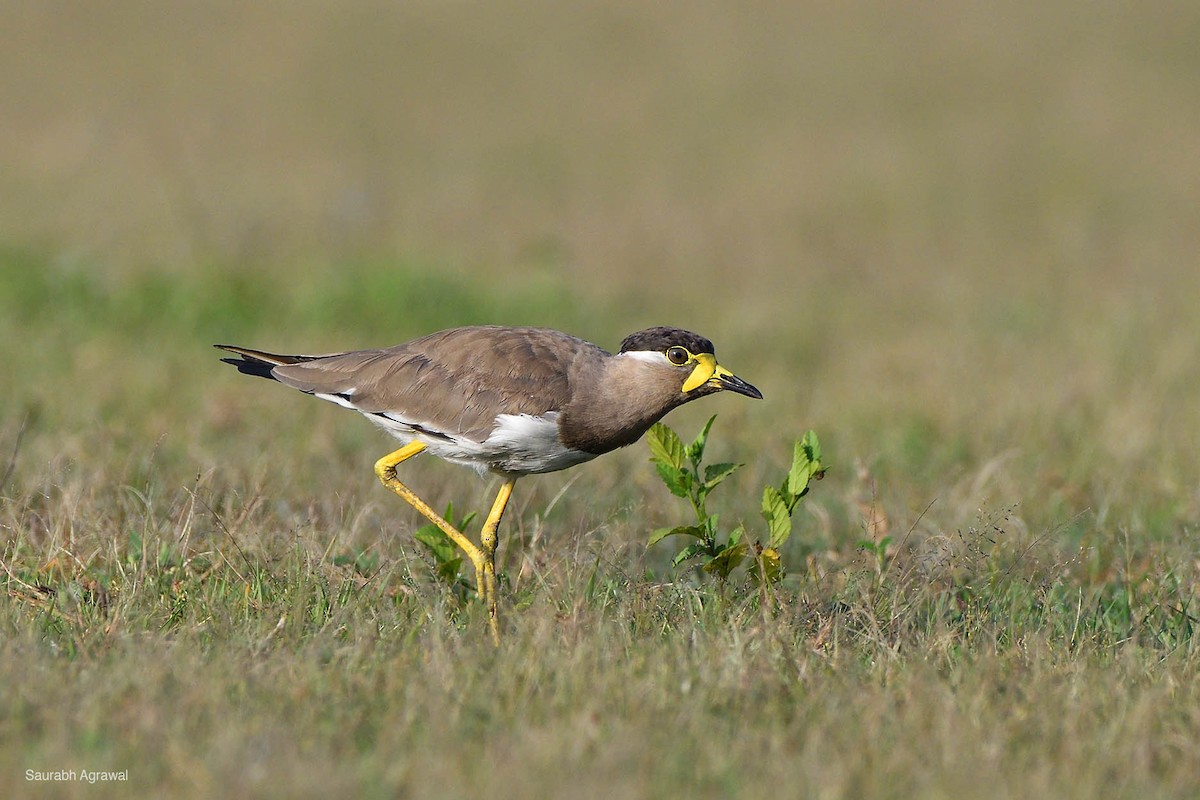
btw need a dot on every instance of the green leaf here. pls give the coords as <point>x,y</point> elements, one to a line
<point>448,570</point>
<point>727,560</point>
<point>682,530</point>
<point>877,548</point>
<point>813,446</point>
<point>665,446</point>
<point>778,515</point>
<point>695,450</point>
<point>445,552</point>
<point>715,473</point>
<point>366,562</point>
<point>801,471</point>
<point>437,541</point>
<point>678,482</point>
<point>806,464</point>
<point>737,534</point>
<point>767,567</point>
<point>691,551</point>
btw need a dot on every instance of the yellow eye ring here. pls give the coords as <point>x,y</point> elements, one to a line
<point>678,356</point>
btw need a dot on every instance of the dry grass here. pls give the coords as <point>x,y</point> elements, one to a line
<point>959,242</point>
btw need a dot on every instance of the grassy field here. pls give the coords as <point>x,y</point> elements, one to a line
<point>959,242</point>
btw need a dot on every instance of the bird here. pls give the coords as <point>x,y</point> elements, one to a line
<point>511,401</point>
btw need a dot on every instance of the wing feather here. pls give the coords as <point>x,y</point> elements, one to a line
<point>455,381</point>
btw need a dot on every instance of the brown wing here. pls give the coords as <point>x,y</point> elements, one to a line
<point>456,381</point>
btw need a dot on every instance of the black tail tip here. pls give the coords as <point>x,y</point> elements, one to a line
<point>249,366</point>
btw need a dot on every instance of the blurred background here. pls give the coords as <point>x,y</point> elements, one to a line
<point>958,240</point>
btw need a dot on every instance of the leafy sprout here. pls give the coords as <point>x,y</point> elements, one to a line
<point>681,468</point>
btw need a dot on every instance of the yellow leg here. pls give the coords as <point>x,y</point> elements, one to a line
<point>385,468</point>
<point>483,559</point>
<point>488,539</point>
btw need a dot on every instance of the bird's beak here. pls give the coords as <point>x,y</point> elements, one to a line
<point>712,375</point>
<point>724,379</point>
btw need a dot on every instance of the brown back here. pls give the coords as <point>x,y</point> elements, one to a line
<point>455,380</point>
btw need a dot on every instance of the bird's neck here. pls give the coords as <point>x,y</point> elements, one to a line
<point>616,407</point>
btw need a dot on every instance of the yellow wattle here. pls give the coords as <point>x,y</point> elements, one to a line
<point>706,367</point>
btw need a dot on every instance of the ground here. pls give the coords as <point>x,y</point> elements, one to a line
<point>957,242</point>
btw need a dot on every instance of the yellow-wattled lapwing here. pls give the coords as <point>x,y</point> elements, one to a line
<point>512,401</point>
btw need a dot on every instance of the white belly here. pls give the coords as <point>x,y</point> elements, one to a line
<point>519,444</point>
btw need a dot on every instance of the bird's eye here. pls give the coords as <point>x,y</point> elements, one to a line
<point>677,356</point>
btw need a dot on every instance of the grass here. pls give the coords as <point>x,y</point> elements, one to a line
<point>955,242</point>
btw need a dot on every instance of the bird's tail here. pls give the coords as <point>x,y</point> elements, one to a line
<point>258,362</point>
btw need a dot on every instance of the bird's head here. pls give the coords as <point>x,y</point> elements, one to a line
<point>686,360</point>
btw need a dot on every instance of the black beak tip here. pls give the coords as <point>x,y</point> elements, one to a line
<point>732,383</point>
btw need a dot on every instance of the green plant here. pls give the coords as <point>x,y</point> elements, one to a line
<point>682,469</point>
<point>447,558</point>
